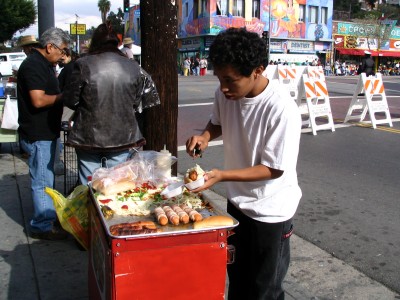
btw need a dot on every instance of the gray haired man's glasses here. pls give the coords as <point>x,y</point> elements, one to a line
<point>64,52</point>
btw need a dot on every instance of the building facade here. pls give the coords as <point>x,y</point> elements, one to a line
<point>297,30</point>
<point>353,39</point>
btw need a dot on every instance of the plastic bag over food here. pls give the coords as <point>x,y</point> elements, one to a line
<point>152,166</point>
<point>113,180</point>
<point>144,167</point>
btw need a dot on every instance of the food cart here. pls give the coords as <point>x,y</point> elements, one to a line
<point>178,262</point>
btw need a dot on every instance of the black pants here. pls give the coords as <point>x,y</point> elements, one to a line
<point>262,258</point>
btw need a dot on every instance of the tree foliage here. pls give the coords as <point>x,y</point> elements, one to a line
<point>16,15</point>
<point>117,21</point>
<point>104,8</point>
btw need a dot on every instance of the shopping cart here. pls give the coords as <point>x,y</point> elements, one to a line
<point>71,179</point>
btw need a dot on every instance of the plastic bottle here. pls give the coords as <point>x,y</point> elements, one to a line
<point>164,163</point>
<point>1,88</point>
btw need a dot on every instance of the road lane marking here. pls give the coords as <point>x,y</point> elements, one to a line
<point>195,104</point>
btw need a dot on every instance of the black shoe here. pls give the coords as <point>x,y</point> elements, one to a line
<point>55,234</point>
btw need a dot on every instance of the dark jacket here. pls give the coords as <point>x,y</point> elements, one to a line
<point>106,90</point>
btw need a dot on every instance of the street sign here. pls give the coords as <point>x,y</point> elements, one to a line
<point>74,26</point>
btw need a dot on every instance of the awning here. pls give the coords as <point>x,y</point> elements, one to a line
<point>360,52</point>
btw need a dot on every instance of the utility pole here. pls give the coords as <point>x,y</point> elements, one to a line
<point>76,34</point>
<point>159,30</point>
<point>45,15</point>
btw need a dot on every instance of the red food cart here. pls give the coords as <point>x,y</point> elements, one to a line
<point>179,262</point>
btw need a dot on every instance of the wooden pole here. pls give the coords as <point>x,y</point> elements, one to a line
<point>158,20</point>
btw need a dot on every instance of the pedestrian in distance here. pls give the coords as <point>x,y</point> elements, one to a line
<point>203,66</point>
<point>186,66</point>
<point>40,111</point>
<point>107,91</point>
<point>27,43</point>
<point>196,66</point>
<point>127,49</point>
<point>261,127</point>
<point>367,65</point>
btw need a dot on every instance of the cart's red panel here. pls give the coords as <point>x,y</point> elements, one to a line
<point>176,266</point>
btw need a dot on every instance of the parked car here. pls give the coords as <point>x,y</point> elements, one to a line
<point>10,60</point>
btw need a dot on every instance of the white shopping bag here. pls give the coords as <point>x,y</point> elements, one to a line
<point>10,114</point>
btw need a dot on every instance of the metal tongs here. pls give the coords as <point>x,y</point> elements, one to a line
<point>197,151</point>
<point>134,150</point>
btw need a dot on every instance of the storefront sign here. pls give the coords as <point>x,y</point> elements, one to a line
<point>275,46</point>
<point>339,41</point>
<point>191,43</point>
<point>363,30</point>
<point>301,46</point>
<point>395,44</point>
<point>208,41</point>
<point>74,27</point>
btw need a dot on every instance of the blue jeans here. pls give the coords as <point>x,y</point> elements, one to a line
<point>88,162</point>
<point>41,164</point>
<point>262,258</point>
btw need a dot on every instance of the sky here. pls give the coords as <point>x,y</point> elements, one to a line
<point>87,10</point>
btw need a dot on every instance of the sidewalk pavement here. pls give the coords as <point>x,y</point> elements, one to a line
<point>34,269</point>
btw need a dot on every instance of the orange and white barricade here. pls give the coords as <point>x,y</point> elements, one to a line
<point>369,96</point>
<point>315,94</point>
<point>289,79</point>
<point>316,72</point>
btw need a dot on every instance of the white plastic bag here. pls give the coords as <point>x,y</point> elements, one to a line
<point>10,114</point>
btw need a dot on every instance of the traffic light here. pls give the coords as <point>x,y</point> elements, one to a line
<point>126,5</point>
<point>265,37</point>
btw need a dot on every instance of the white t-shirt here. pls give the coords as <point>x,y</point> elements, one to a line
<point>128,52</point>
<point>264,130</point>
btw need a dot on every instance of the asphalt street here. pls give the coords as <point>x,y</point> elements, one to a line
<point>349,177</point>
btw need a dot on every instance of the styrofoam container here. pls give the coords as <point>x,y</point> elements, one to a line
<point>172,190</point>
<point>195,184</point>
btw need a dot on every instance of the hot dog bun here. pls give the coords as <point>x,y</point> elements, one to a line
<point>213,221</point>
<point>114,188</point>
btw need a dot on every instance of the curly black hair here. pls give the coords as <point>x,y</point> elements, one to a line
<point>239,48</point>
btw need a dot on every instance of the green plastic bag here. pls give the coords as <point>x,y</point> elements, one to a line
<point>72,212</point>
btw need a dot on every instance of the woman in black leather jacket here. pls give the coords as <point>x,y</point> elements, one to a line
<point>106,91</point>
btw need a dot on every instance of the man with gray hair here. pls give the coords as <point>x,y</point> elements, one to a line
<point>40,111</point>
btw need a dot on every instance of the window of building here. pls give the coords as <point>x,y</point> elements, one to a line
<point>256,9</point>
<point>186,10</point>
<point>302,12</point>
<point>313,14</point>
<point>203,6</point>
<point>137,24</point>
<point>222,7</point>
<point>195,9</point>
<point>324,15</point>
<point>238,8</point>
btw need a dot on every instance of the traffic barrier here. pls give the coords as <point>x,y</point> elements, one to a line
<point>316,72</point>
<point>287,78</point>
<point>313,101</point>
<point>370,97</point>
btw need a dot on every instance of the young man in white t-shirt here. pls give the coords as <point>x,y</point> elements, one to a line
<point>261,127</point>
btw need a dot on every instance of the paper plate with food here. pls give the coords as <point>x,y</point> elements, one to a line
<point>194,177</point>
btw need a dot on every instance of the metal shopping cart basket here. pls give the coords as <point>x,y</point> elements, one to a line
<point>71,179</point>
